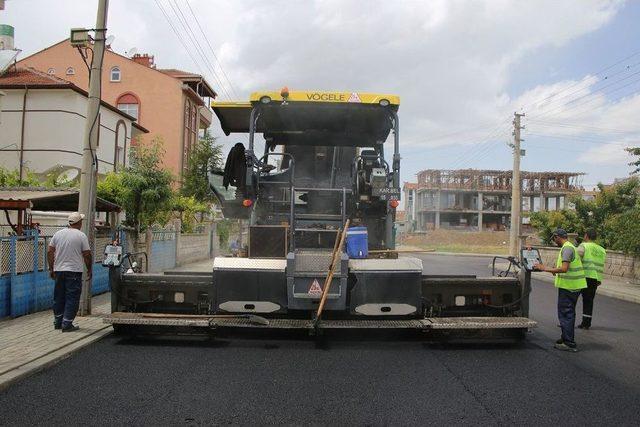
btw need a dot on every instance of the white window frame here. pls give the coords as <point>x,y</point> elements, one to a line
<point>70,71</point>
<point>126,108</point>
<point>1,96</point>
<point>115,69</point>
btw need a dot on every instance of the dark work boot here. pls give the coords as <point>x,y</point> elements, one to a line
<point>70,328</point>
<point>586,323</point>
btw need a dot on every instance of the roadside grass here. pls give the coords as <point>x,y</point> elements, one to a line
<point>484,242</point>
<point>462,248</point>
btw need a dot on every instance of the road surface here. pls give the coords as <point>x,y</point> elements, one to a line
<point>366,381</point>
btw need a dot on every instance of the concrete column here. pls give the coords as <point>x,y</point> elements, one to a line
<point>438,204</point>
<point>413,205</point>
<point>532,200</point>
<point>543,202</point>
<point>480,209</point>
<point>557,203</point>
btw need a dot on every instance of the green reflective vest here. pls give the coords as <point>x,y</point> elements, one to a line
<point>573,279</point>
<point>593,260</point>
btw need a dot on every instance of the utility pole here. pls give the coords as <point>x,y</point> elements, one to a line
<point>516,199</point>
<point>88,177</point>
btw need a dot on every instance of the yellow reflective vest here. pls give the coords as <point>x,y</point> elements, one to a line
<point>574,278</point>
<point>593,260</point>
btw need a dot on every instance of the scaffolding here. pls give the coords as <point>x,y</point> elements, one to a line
<point>481,199</point>
<point>497,180</point>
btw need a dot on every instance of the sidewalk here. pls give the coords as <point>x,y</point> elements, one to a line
<point>617,287</point>
<point>614,287</point>
<point>29,343</point>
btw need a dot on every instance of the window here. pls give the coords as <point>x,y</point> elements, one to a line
<point>51,71</point>
<point>71,71</point>
<point>130,109</point>
<point>129,104</point>
<point>190,131</point>
<point>115,74</point>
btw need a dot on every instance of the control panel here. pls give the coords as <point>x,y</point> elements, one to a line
<point>530,257</point>
<point>112,256</point>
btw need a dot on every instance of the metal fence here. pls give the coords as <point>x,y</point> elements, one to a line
<point>164,249</point>
<point>25,285</point>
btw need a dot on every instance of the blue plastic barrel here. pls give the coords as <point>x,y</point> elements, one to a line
<point>357,242</point>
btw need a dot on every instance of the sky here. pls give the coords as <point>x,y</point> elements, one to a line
<point>461,68</point>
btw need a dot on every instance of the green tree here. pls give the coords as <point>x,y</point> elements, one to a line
<point>188,207</point>
<point>204,154</point>
<point>11,178</point>
<point>614,214</point>
<point>636,152</point>
<point>546,222</point>
<point>623,232</point>
<point>143,189</point>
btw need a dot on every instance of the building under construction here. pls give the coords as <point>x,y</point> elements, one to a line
<point>473,199</point>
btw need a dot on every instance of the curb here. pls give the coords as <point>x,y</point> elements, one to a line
<point>602,290</point>
<point>49,359</point>
<point>466,254</point>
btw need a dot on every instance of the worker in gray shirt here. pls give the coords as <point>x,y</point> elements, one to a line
<point>68,250</point>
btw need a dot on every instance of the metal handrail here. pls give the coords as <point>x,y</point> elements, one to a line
<point>292,165</point>
<point>513,261</point>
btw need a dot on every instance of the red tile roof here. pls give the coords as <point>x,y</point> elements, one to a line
<point>174,72</point>
<point>410,185</point>
<point>31,77</point>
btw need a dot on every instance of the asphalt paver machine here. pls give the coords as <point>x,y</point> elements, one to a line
<point>330,159</point>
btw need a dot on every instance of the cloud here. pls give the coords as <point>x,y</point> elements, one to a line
<point>451,61</point>
<point>606,154</point>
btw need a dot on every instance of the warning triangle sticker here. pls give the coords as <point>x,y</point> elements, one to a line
<point>354,98</point>
<point>315,288</point>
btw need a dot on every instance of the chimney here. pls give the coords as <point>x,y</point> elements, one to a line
<point>144,59</point>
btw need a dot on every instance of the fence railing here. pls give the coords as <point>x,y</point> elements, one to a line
<point>25,285</point>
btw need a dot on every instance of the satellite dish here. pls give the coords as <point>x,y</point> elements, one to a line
<point>132,52</point>
<point>68,175</point>
<point>7,57</point>
<point>110,40</point>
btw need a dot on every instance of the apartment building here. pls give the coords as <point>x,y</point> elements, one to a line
<point>472,199</point>
<point>172,104</point>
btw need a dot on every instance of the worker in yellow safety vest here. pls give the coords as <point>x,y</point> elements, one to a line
<point>593,258</point>
<point>569,280</point>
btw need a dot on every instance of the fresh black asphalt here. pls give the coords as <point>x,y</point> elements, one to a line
<point>367,380</point>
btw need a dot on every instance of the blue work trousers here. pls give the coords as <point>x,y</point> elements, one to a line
<point>66,297</point>
<point>567,301</point>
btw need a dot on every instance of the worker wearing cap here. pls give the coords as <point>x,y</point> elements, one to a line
<point>68,250</point>
<point>569,280</point>
<point>593,258</point>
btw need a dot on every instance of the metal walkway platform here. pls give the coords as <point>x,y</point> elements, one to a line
<point>257,322</point>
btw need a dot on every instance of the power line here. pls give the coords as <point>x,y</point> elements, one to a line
<point>206,39</point>
<point>604,79</point>
<point>182,42</point>
<point>178,12</point>
<point>184,45</point>
<point>599,92</point>
<point>582,82</point>
<point>578,139</point>
<point>580,127</point>
<point>486,145</point>
<point>610,103</point>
